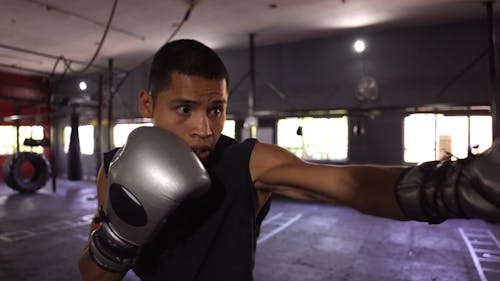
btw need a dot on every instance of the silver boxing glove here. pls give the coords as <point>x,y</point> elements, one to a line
<point>466,188</point>
<point>148,178</point>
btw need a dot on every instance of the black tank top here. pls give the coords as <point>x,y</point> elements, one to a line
<point>212,237</point>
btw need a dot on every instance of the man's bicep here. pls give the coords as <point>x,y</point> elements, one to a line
<point>279,171</point>
<point>268,164</point>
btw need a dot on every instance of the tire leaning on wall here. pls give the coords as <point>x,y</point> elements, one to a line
<point>12,171</point>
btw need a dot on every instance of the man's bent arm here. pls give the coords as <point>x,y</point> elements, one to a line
<point>89,270</point>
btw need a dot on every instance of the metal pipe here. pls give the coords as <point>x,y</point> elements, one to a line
<point>98,137</point>
<point>54,141</point>
<point>18,124</point>
<point>22,100</point>
<point>13,66</point>
<point>45,55</point>
<point>252,94</point>
<point>51,8</point>
<point>110,103</point>
<point>493,60</point>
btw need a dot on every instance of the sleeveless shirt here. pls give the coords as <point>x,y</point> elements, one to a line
<point>212,237</point>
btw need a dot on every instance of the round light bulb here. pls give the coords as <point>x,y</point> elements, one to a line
<point>82,85</point>
<point>359,46</point>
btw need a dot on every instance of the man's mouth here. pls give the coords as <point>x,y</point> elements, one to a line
<point>202,152</point>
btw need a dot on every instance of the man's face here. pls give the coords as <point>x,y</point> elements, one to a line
<point>193,108</point>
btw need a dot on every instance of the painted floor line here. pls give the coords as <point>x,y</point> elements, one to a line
<point>279,229</point>
<point>482,237</point>
<point>271,219</point>
<point>38,230</point>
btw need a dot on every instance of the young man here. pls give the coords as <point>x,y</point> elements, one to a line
<point>212,237</point>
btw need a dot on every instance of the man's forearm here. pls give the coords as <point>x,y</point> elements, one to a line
<point>90,271</point>
<point>374,190</point>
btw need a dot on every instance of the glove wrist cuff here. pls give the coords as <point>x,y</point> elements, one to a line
<point>110,252</point>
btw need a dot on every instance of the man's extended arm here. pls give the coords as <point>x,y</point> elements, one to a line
<point>367,188</point>
<point>432,192</point>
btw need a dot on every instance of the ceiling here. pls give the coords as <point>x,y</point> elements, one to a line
<point>34,33</point>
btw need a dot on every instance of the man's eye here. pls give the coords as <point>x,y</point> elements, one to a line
<point>184,109</point>
<point>216,110</point>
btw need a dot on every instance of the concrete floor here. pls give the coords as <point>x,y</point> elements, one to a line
<point>42,234</point>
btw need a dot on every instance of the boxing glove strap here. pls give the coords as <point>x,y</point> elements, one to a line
<point>438,190</point>
<point>421,195</point>
<point>109,251</point>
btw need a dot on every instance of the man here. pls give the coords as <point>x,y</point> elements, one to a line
<point>213,237</point>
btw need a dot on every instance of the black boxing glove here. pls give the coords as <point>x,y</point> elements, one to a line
<point>466,188</point>
<point>148,178</point>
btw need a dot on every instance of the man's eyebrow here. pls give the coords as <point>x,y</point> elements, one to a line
<point>183,101</point>
<point>218,102</point>
<point>194,102</point>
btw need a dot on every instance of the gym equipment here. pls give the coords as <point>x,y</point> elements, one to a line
<point>74,153</point>
<point>13,176</point>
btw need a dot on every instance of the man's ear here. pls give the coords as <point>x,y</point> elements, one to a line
<point>146,104</point>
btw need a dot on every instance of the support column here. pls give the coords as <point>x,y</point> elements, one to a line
<point>110,103</point>
<point>493,64</point>
<point>98,135</point>
<point>251,123</point>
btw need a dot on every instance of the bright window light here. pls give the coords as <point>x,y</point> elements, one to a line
<point>481,133</point>
<point>8,140</point>
<point>287,135</point>
<point>30,132</point>
<point>451,136</point>
<point>314,138</point>
<point>122,130</point>
<point>86,136</point>
<point>229,128</point>
<point>430,137</point>
<point>419,137</point>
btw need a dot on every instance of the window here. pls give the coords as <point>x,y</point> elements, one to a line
<point>314,138</point>
<point>86,136</point>
<point>430,137</point>
<point>121,132</point>
<point>8,141</point>
<point>229,128</point>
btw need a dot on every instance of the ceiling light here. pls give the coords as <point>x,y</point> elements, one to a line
<point>82,85</point>
<point>359,46</point>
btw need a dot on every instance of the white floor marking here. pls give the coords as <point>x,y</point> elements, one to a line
<point>46,228</point>
<point>271,219</point>
<point>280,225</point>
<point>484,249</point>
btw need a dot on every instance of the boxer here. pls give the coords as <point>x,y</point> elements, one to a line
<point>214,236</point>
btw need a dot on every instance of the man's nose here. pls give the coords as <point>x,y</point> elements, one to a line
<point>202,126</point>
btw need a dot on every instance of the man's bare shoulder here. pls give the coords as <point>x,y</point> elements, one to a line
<point>267,157</point>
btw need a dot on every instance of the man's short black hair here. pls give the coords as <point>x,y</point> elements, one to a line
<point>184,56</point>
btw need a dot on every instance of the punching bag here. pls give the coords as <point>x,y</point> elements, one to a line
<point>74,154</point>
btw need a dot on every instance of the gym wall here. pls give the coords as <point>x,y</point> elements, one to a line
<point>24,95</point>
<point>66,92</point>
<point>413,67</point>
